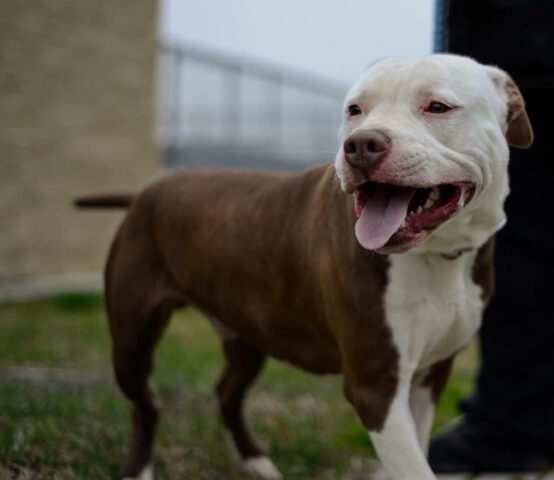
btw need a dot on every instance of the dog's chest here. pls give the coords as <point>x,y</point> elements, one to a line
<point>432,306</point>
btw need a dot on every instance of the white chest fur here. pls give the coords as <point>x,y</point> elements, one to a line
<point>432,306</point>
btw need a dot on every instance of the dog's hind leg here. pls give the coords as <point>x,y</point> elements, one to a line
<point>244,363</point>
<point>139,301</point>
<point>132,365</point>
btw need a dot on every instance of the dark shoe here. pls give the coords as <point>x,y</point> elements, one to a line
<point>468,447</point>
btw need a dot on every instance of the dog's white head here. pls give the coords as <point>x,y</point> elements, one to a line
<point>424,150</point>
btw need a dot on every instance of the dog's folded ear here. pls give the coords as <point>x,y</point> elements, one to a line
<point>519,132</point>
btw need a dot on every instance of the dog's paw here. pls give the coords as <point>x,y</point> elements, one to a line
<point>147,473</point>
<point>261,468</point>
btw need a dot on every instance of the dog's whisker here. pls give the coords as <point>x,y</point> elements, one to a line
<point>413,167</point>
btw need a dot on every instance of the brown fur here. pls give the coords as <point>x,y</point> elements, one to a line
<point>274,260</point>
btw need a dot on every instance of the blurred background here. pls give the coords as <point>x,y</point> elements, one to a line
<point>108,95</point>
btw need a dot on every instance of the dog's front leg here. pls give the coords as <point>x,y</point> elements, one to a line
<point>397,443</point>
<point>422,406</point>
<point>426,389</point>
<point>377,382</point>
<point>384,407</point>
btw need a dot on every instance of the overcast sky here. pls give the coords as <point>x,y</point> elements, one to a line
<point>333,38</point>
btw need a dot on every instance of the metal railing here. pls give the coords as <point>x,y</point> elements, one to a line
<point>219,109</point>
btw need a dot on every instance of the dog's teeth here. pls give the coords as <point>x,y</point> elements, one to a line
<point>435,194</point>
<point>463,196</point>
<point>419,209</point>
<point>428,203</point>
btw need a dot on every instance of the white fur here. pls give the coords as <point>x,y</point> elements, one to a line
<point>432,305</point>
<point>423,412</point>
<point>397,444</point>
<point>261,468</point>
<point>146,474</point>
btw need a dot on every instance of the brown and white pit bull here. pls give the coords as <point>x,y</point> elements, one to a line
<point>376,268</point>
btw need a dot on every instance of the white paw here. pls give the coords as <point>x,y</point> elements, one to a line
<point>261,468</point>
<point>146,474</point>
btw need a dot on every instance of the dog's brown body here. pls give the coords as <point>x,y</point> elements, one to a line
<point>286,265</point>
<point>273,260</point>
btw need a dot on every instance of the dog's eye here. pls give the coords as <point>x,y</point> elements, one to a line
<point>354,110</point>
<point>437,107</point>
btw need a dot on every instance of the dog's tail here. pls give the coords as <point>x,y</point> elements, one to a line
<point>107,200</point>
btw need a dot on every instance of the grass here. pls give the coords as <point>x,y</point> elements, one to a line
<point>66,419</point>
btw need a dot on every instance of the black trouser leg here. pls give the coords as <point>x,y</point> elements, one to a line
<point>515,388</point>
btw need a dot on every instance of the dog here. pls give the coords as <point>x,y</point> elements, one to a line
<point>376,268</point>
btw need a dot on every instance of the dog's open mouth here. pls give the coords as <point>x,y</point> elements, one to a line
<point>392,218</point>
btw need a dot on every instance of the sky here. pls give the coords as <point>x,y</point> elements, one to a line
<point>336,39</point>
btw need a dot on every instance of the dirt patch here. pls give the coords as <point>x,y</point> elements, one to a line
<point>68,376</point>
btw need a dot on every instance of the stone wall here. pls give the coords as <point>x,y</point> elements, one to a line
<point>76,116</point>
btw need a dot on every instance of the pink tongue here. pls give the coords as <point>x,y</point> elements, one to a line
<point>382,215</point>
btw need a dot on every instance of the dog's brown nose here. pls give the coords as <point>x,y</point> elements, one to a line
<point>366,148</point>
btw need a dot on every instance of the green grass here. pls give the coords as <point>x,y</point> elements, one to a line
<point>76,425</point>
